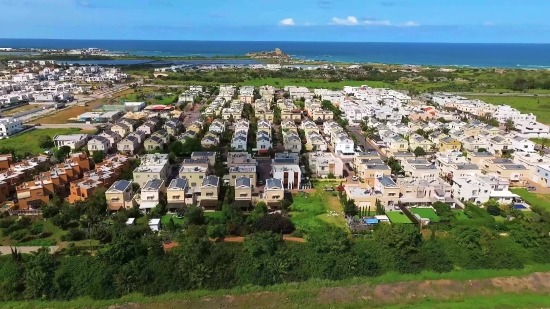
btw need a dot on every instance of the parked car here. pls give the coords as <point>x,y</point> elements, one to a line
<point>531,188</point>
<point>354,178</point>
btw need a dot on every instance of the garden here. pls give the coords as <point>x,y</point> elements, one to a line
<point>311,211</point>
<point>427,213</point>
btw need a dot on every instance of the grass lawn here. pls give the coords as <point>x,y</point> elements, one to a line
<point>213,214</point>
<point>460,215</point>
<point>312,83</point>
<point>166,218</point>
<point>426,213</point>
<point>28,141</point>
<point>398,217</point>
<point>309,212</point>
<point>540,106</point>
<point>533,198</point>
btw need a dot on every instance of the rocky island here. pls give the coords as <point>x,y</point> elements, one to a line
<point>277,54</point>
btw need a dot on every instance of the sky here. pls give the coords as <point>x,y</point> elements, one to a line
<point>474,21</point>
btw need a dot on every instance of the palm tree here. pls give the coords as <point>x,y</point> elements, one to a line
<point>543,142</point>
<point>509,124</point>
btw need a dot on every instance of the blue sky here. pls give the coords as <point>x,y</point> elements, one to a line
<point>477,21</point>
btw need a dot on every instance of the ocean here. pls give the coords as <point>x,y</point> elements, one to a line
<point>534,56</point>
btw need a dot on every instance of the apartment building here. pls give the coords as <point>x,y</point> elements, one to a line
<point>153,166</point>
<point>10,126</point>
<point>325,163</point>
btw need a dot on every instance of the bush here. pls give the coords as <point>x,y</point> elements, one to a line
<point>38,243</point>
<point>37,229</point>
<point>275,223</point>
<point>74,235</point>
<point>18,235</point>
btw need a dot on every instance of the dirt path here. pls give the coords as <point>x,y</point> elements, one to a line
<point>365,296</point>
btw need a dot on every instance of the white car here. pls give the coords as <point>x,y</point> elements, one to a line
<point>354,178</point>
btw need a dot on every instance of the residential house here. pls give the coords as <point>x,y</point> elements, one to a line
<point>153,143</point>
<point>236,172</point>
<point>151,194</point>
<point>174,127</point>
<point>274,192</point>
<point>153,166</point>
<point>179,195</point>
<point>194,173</point>
<point>325,163</point>
<point>210,155</point>
<point>449,143</point>
<point>397,143</point>
<point>419,168</point>
<point>121,129</point>
<point>499,145</point>
<point>129,145</point>
<point>473,143</point>
<point>522,144</point>
<point>369,170</point>
<point>112,137</point>
<point>217,126</point>
<point>416,141</point>
<point>463,170</point>
<point>99,143</point>
<point>120,195</point>
<point>479,157</point>
<point>445,160</point>
<point>163,135</point>
<point>74,141</point>
<point>210,140</point>
<point>243,192</point>
<point>315,142</point>
<point>290,174</point>
<point>209,192</point>
<point>424,191</point>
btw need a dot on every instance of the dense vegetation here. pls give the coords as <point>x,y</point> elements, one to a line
<point>433,79</point>
<point>132,259</point>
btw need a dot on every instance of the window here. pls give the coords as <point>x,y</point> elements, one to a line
<point>193,184</point>
<point>234,176</point>
<point>201,177</point>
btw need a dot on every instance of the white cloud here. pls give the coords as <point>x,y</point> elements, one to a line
<point>411,24</point>
<point>349,21</point>
<point>287,22</point>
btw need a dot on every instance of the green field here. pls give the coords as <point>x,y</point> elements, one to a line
<point>427,213</point>
<point>540,106</point>
<point>28,141</point>
<point>312,83</point>
<point>398,217</point>
<point>460,215</point>
<point>310,211</point>
<point>533,198</point>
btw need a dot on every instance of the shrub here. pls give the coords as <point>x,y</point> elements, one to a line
<point>18,235</point>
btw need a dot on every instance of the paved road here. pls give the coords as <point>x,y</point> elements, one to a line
<point>83,126</point>
<point>361,140</point>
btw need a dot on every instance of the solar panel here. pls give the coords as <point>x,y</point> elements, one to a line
<point>121,185</point>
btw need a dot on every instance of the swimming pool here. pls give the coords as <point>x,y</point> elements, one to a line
<point>519,206</point>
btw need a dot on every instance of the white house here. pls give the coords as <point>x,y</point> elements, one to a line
<point>9,126</point>
<point>150,194</point>
<point>343,144</point>
<point>522,144</point>
<point>239,141</point>
<point>99,143</point>
<point>74,141</point>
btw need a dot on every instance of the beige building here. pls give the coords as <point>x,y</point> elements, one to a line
<point>153,166</point>
<point>120,195</point>
<point>179,195</point>
<point>243,192</point>
<point>209,191</point>
<point>274,192</point>
<point>325,163</point>
<point>236,172</point>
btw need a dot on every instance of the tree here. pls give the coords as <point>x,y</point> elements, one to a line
<point>62,152</point>
<point>402,237</point>
<point>45,141</point>
<point>275,223</point>
<point>98,156</point>
<point>380,210</point>
<point>350,209</point>
<point>177,148</point>
<point>191,145</point>
<point>195,215</point>
<point>419,152</point>
<point>509,124</point>
<point>216,231</point>
<point>258,244</point>
<point>232,214</point>
<point>395,166</point>
<point>543,142</point>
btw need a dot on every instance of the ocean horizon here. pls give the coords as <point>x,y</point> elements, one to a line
<point>481,55</point>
